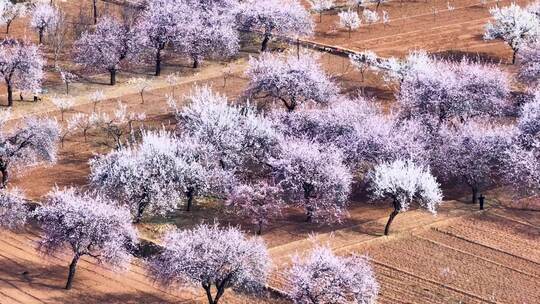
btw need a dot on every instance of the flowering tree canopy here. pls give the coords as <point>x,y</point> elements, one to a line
<point>145,177</point>
<point>278,17</point>
<point>13,211</point>
<point>107,47</point>
<point>260,202</point>
<point>404,183</point>
<point>21,66</point>
<point>453,92</point>
<point>32,142</point>
<point>44,17</point>
<point>291,80</point>
<point>514,25</point>
<point>473,153</point>
<point>349,20</point>
<point>314,178</point>
<point>10,11</point>
<point>88,225</point>
<point>323,277</point>
<point>529,61</point>
<point>238,136</point>
<point>213,257</point>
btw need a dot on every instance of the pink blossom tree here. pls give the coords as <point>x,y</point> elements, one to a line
<point>528,121</point>
<point>275,17</point>
<point>87,224</point>
<point>260,202</point>
<point>44,16</point>
<point>449,92</point>
<point>529,63</point>
<point>213,257</point>
<point>144,176</point>
<point>314,178</point>
<point>473,153</point>
<point>210,30</point>
<point>21,66</point>
<point>109,46</point>
<point>290,80</point>
<point>159,26</point>
<point>31,142</point>
<point>323,277</point>
<point>404,183</point>
<point>521,168</point>
<point>13,211</point>
<point>10,11</point>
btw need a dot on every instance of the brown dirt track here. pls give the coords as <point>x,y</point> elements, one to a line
<point>459,256</point>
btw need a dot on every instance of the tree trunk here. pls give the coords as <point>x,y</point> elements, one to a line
<point>259,228</point>
<point>189,195</point>
<point>67,87</point>
<point>264,45</point>
<point>320,17</point>
<point>5,177</point>
<point>391,218</point>
<point>158,62</point>
<point>514,56</point>
<point>113,76</point>
<point>40,32</point>
<point>95,11</point>
<point>195,62</point>
<point>71,274</point>
<point>7,27</point>
<point>10,95</point>
<point>208,291</point>
<point>474,198</point>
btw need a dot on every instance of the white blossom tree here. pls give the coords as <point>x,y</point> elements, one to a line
<point>145,176</point>
<point>363,61</point>
<point>314,178</point>
<point>10,11</point>
<point>260,202</point>
<point>107,48</point>
<point>63,104</point>
<point>87,224</point>
<point>320,6</point>
<point>216,258</point>
<point>513,24</point>
<point>291,80</point>
<point>404,183</point>
<point>349,20</point>
<point>31,142</point>
<point>277,17</point>
<point>323,277</point>
<point>44,16</point>
<point>240,139</point>
<point>370,16</point>
<point>21,66</point>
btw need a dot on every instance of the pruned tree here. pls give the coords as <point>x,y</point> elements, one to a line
<point>370,16</point>
<point>260,202</point>
<point>473,153</point>
<point>31,142</point>
<point>314,178</point>
<point>63,104</point>
<point>67,78</point>
<point>275,17</point>
<point>21,66</point>
<point>363,61</point>
<point>44,16</point>
<point>291,80</point>
<point>529,63</point>
<point>513,24</point>
<point>320,6</point>
<point>404,183</point>
<point>57,35</point>
<point>356,3</point>
<point>87,224</point>
<point>213,257</point>
<point>13,211</point>
<point>323,277</point>
<point>349,20</point>
<point>114,126</point>
<point>110,46</point>
<point>145,177</point>
<point>9,11</point>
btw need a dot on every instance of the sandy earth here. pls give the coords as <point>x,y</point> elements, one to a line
<point>459,256</point>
